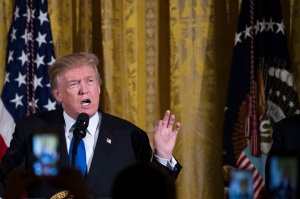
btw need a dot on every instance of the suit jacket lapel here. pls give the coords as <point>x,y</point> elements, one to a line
<point>102,151</point>
<point>64,157</point>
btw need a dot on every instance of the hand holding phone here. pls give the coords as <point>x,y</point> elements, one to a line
<point>282,176</point>
<point>240,184</point>
<point>45,151</point>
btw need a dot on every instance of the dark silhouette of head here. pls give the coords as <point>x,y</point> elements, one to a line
<point>145,181</point>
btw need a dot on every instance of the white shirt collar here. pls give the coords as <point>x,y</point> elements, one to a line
<point>68,121</point>
<point>93,123</point>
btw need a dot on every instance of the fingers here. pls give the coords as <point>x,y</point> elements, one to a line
<point>159,126</point>
<point>166,118</point>
<point>168,122</point>
<point>171,121</point>
<point>177,127</point>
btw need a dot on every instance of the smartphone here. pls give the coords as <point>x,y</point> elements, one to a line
<point>282,175</point>
<point>240,184</point>
<point>45,152</point>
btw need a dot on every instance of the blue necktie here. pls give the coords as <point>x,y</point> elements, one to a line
<point>80,160</point>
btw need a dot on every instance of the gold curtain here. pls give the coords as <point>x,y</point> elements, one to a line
<point>157,55</point>
<point>6,10</point>
<point>199,69</point>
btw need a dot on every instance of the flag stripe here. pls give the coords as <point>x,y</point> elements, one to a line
<point>3,147</point>
<point>246,164</point>
<point>7,125</point>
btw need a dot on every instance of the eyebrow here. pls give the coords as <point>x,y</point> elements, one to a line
<point>73,80</point>
<point>76,80</point>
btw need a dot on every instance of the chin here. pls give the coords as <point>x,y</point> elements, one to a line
<point>89,112</point>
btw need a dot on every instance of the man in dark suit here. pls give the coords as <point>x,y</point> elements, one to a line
<point>111,144</point>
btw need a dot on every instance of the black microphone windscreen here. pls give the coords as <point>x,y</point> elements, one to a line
<point>82,120</point>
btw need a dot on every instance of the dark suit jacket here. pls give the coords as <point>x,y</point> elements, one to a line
<point>129,145</point>
<point>286,136</point>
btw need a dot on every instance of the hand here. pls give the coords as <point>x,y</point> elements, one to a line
<point>164,138</point>
<point>226,169</point>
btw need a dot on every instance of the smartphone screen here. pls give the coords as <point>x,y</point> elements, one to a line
<point>45,151</point>
<point>283,176</point>
<point>240,184</point>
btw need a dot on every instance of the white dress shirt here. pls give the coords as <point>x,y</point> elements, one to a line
<point>91,135</point>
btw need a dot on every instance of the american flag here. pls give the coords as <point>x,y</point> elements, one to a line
<point>261,88</point>
<point>29,54</point>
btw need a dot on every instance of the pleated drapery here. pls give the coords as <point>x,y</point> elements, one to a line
<point>157,55</point>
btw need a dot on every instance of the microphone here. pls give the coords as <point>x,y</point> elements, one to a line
<point>79,132</point>
<point>81,125</point>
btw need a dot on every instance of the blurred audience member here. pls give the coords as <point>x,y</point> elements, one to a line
<point>145,181</point>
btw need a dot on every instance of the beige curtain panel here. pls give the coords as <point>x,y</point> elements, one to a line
<point>157,55</point>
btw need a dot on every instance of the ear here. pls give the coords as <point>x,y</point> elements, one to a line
<point>57,95</point>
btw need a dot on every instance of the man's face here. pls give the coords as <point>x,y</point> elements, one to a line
<point>78,91</point>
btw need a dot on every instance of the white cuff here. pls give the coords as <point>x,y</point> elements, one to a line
<point>170,164</point>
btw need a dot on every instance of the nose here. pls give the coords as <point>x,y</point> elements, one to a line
<point>83,89</point>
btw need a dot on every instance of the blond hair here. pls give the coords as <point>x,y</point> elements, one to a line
<point>70,61</point>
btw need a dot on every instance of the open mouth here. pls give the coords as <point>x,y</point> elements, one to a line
<point>85,102</point>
